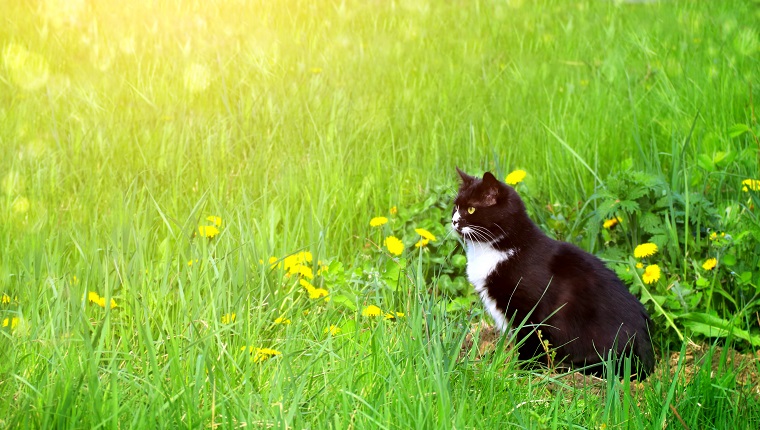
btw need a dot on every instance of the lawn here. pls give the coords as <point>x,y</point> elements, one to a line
<point>235,213</point>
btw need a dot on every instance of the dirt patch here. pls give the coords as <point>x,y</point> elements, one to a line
<point>745,366</point>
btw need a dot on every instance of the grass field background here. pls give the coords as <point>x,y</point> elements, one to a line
<point>129,130</point>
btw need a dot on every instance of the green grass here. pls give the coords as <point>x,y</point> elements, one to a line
<point>123,128</point>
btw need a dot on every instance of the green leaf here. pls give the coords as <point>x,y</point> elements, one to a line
<point>705,162</point>
<point>737,130</point>
<point>344,301</point>
<point>712,326</point>
<point>460,303</point>
<point>459,261</point>
<point>728,260</point>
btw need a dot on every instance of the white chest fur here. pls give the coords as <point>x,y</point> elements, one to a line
<point>482,260</point>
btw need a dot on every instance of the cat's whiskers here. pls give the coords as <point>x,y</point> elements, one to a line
<point>485,234</point>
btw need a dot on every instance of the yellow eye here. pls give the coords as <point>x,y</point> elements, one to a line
<point>470,210</point>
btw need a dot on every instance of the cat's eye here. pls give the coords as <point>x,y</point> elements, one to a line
<point>470,210</point>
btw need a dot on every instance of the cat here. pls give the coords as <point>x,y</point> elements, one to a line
<point>564,295</point>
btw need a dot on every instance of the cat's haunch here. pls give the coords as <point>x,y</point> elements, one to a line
<point>523,276</point>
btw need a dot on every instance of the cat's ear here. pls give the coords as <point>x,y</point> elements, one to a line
<point>466,179</point>
<point>489,178</point>
<point>492,189</point>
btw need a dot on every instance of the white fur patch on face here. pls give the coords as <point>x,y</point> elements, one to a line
<point>482,260</point>
<point>455,219</point>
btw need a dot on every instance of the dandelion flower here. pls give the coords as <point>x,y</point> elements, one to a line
<point>261,354</point>
<point>651,274</point>
<point>6,299</point>
<point>639,265</point>
<point>751,184</point>
<point>215,219</point>
<point>515,177</point>
<point>297,259</point>
<point>10,322</point>
<point>93,297</point>
<point>208,231</point>
<point>394,315</point>
<point>228,318</point>
<point>306,284</point>
<point>371,311</point>
<point>425,234</point>
<point>394,210</point>
<point>645,250</point>
<point>302,270</point>
<point>394,245</point>
<point>608,224</point>
<point>318,293</point>
<point>332,330</point>
<point>710,263</point>
<point>282,320</point>
<point>421,243</point>
<point>378,221</point>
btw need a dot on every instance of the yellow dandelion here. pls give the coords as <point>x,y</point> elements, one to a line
<point>421,243</point>
<point>651,274</point>
<point>394,210</point>
<point>751,184</point>
<point>306,284</point>
<point>273,262</point>
<point>645,250</point>
<point>425,234</point>
<point>332,330</point>
<point>378,221</point>
<point>710,263</point>
<point>612,222</point>
<point>10,322</point>
<point>302,270</point>
<point>261,354</point>
<point>282,320</point>
<point>6,299</point>
<point>93,297</point>
<point>228,318</point>
<point>394,315</point>
<point>515,177</point>
<point>394,245</point>
<point>318,293</point>
<point>297,259</point>
<point>371,311</point>
<point>639,265</point>
<point>208,231</point>
<point>215,219</point>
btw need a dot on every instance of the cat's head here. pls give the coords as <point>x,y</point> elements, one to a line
<point>484,208</point>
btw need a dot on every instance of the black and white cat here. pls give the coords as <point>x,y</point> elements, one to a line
<point>580,306</point>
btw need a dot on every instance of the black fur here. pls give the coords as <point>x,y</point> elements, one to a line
<point>581,307</point>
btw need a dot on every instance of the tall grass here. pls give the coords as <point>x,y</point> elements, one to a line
<point>123,128</point>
